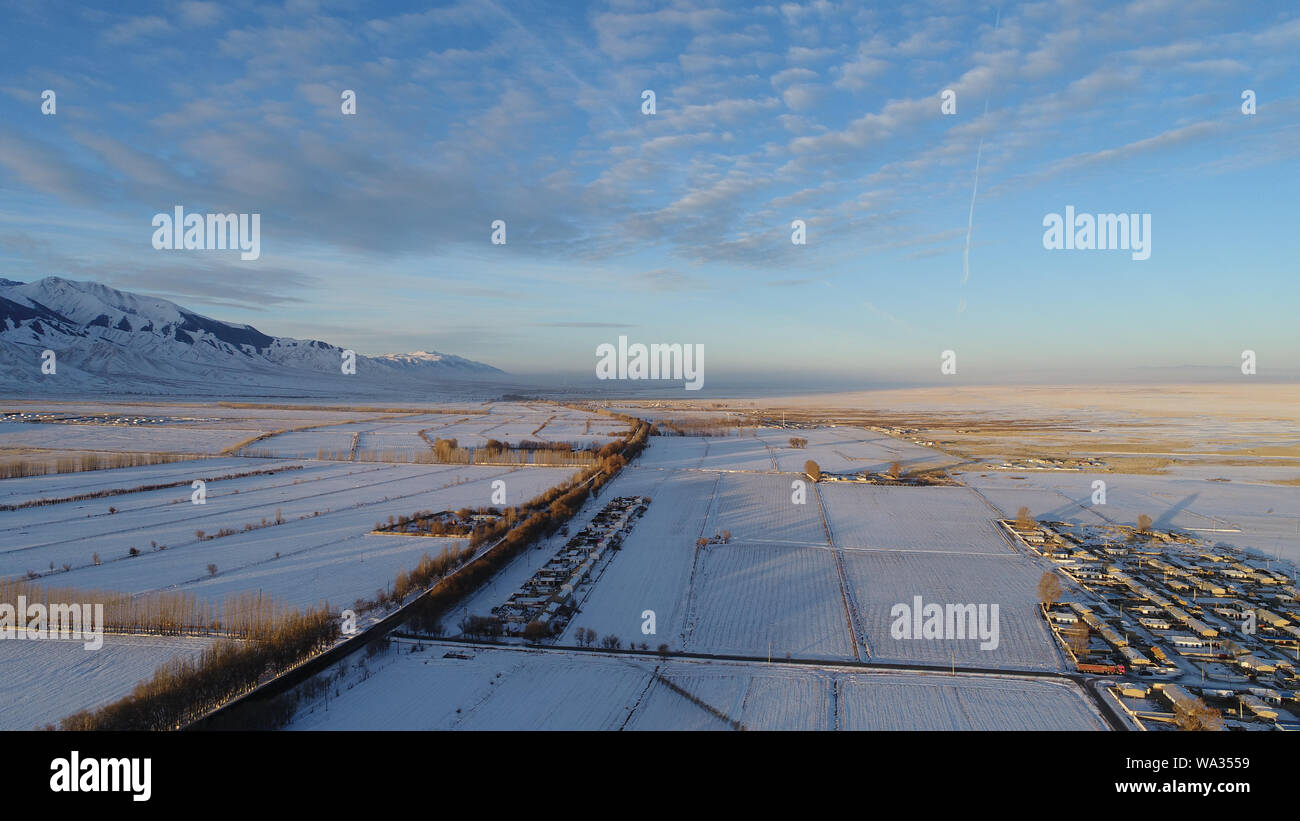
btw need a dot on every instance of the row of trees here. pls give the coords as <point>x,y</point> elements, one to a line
<point>184,689</point>
<point>699,426</point>
<point>36,466</point>
<point>528,452</point>
<point>586,637</point>
<point>121,491</point>
<point>243,615</point>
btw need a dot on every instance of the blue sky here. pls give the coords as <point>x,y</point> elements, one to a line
<point>675,227</point>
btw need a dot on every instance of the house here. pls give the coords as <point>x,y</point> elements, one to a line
<point>1132,689</point>
<point>1186,641</point>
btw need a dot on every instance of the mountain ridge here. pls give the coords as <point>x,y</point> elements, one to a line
<point>109,340</point>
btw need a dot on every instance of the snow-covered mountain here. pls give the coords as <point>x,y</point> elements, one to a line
<point>112,341</point>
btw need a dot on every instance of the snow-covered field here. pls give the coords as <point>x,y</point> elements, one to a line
<point>41,682</point>
<point>942,519</point>
<point>166,438</point>
<point>752,597</point>
<point>518,689</point>
<point>775,587</point>
<point>1247,513</point>
<point>845,450</point>
<point>320,552</point>
<point>756,508</point>
<point>884,578</point>
<point>888,702</point>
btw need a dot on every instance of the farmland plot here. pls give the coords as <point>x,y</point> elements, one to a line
<point>663,708</point>
<point>1267,516</point>
<point>839,450</point>
<point>512,689</point>
<point>676,452</point>
<point>789,700</point>
<point>749,597</point>
<point>736,453</point>
<point>889,701</point>
<point>62,485</point>
<point>403,445</point>
<point>44,681</point>
<point>760,697</point>
<point>883,578</point>
<point>758,508</point>
<point>1044,505</point>
<point>164,438</point>
<point>322,556</point>
<point>26,528</point>
<point>939,519</point>
<point>176,525</point>
<point>305,444</point>
<point>492,690</point>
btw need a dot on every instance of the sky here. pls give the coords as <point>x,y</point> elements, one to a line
<point>924,229</point>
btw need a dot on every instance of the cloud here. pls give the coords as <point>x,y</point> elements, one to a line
<point>135,29</point>
<point>199,14</point>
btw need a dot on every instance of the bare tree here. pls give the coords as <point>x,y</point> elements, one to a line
<point>814,472</point>
<point>1078,636</point>
<point>1025,519</point>
<point>1197,715</point>
<point>798,442</point>
<point>535,631</point>
<point>1144,523</point>
<point>1049,589</point>
<point>895,469</point>
<point>212,570</point>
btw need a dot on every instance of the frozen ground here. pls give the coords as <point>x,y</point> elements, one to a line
<point>938,519</point>
<point>1260,515</point>
<point>519,689</point>
<point>322,551</point>
<point>41,682</point>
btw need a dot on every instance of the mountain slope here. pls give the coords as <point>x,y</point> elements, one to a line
<point>106,340</point>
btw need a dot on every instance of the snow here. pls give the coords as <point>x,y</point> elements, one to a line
<point>500,688</point>
<point>44,681</point>
<point>1267,515</point>
<point>749,597</point>
<point>113,341</point>
<point>322,557</point>
<point>945,519</point>
<point>881,579</point>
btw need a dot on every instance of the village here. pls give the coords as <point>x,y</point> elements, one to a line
<point>1201,635</point>
<point>544,604</point>
<point>95,419</point>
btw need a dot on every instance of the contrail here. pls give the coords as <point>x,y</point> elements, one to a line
<point>970,219</point>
